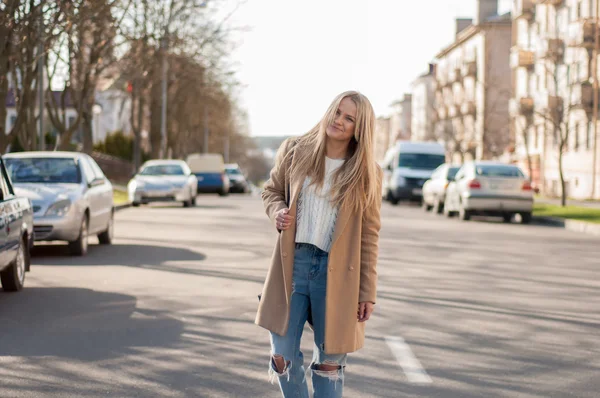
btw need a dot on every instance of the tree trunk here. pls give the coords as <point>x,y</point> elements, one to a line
<point>155,111</point>
<point>87,132</point>
<point>563,192</point>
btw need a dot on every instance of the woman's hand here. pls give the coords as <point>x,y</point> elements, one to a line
<point>365,310</point>
<point>283,220</point>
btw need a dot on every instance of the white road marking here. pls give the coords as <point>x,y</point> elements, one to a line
<point>407,360</point>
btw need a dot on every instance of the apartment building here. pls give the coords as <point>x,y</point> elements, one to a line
<point>553,96</point>
<point>473,86</point>
<point>401,119</point>
<point>423,107</point>
<point>381,141</point>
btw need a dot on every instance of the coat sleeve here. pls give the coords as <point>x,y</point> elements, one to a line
<point>369,248</point>
<point>273,194</point>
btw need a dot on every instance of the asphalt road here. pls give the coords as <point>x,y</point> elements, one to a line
<point>477,309</point>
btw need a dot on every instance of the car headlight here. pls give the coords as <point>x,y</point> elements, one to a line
<point>401,181</point>
<point>59,208</point>
<point>135,184</point>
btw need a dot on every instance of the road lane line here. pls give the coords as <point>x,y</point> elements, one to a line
<point>407,360</point>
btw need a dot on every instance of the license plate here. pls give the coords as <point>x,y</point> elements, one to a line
<point>417,191</point>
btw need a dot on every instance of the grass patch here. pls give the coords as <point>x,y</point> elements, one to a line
<point>568,212</point>
<point>120,197</point>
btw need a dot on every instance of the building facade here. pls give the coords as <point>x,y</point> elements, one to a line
<point>552,108</point>
<point>381,141</point>
<point>473,87</point>
<point>401,119</point>
<point>423,107</point>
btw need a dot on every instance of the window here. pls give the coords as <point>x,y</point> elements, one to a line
<point>498,171</point>
<point>97,170</point>
<point>452,172</point>
<point>43,170</point>
<point>13,121</point>
<point>87,170</point>
<point>420,161</point>
<point>163,170</point>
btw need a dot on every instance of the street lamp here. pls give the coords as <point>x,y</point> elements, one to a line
<point>96,110</point>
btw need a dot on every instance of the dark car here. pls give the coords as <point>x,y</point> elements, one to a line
<point>16,234</point>
<point>237,180</point>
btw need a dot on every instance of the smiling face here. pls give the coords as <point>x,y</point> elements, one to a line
<point>343,125</point>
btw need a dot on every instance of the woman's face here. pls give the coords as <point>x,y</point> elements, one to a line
<point>342,127</point>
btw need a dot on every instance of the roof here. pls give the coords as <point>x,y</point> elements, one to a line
<point>11,100</point>
<point>163,161</point>
<point>45,154</point>
<point>490,163</point>
<point>466,34</point>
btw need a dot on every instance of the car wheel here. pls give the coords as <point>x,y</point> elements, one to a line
<point>106,237</point>
<point>447,211</point>
<point>13,277</point>
<point>426,206</point>
<point>525,218</point>
<point>437,206</point>
<point>135,204</point>
<point>79,247</point>
<point>463,214</point>
<point>507,217</point>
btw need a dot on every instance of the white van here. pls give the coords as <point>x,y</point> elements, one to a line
<point>407,165</point>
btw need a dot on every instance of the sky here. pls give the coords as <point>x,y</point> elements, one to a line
<point>298,55</point>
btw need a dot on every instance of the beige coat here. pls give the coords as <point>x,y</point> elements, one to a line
<point>352,264</point>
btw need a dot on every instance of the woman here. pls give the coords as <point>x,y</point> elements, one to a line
<point>324,197</point>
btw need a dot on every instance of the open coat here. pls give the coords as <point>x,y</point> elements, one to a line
<point>352,262</point>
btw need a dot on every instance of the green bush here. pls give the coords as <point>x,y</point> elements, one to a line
<point>119,145</point>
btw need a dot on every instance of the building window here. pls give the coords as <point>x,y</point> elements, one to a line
<point>13,121</point>
<point>588,140</point>
<point>576,138</point>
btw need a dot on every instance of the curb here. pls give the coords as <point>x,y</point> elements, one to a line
<point>122,206</point>
<point>571,225</point>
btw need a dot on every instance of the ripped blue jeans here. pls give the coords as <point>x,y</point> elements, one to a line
<point>308,297</point>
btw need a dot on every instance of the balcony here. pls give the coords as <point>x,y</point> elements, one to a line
<point>555,3</point>
<point>520,58</point>
<point>552,49</point>
<point>582,97</point>
<point>521,106</point>
<point>469,69</point>
<point>551,105</point>
<point>524,9</point>
<point>581,33</point>
<point>468,108</point>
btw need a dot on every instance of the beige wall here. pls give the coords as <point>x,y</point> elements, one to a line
<point>423,105</point>
<point>382,136</point>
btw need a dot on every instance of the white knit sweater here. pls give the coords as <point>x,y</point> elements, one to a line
<point>316,214</point>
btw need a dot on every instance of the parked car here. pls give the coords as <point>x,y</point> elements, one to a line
<point>434,189</point>
<point>72,198</point>
<point>16,234</point>
<point>163,181</point>
<point>407,165</point>
<point>237,180</point>
<point>209,169</point>
<point>489,188</point>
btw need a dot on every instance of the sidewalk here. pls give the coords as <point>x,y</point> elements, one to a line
<point>570,202</point>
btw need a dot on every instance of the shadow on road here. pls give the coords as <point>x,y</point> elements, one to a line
<point>116,254</point>
<point>80,323</point>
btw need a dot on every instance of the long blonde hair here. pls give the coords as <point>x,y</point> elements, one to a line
<point>355,184</point>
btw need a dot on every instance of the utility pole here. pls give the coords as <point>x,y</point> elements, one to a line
<point>595,104</point>
<point>41,140</point>
<point>205,146</point>
<point>163,110</point>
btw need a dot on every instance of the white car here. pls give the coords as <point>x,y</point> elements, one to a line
<point>434,189</point>
<point>163,181</point>
<point>71,196</point>
<point>489,188</point>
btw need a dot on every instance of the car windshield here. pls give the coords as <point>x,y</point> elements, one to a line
<point>43,170</point>
<point>162,170</point>
<point>452,172</point>
<point>420,161</point>
<point>499,171</point>
<point>233,171</point>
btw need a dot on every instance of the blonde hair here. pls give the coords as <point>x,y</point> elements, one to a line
<point>355,184</point>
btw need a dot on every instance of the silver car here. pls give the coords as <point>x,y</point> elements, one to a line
<point>163,181</point>
<point>71,197</point>
<point>489,188</point>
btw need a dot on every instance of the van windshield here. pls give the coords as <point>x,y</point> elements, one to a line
<point>420,161</point>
